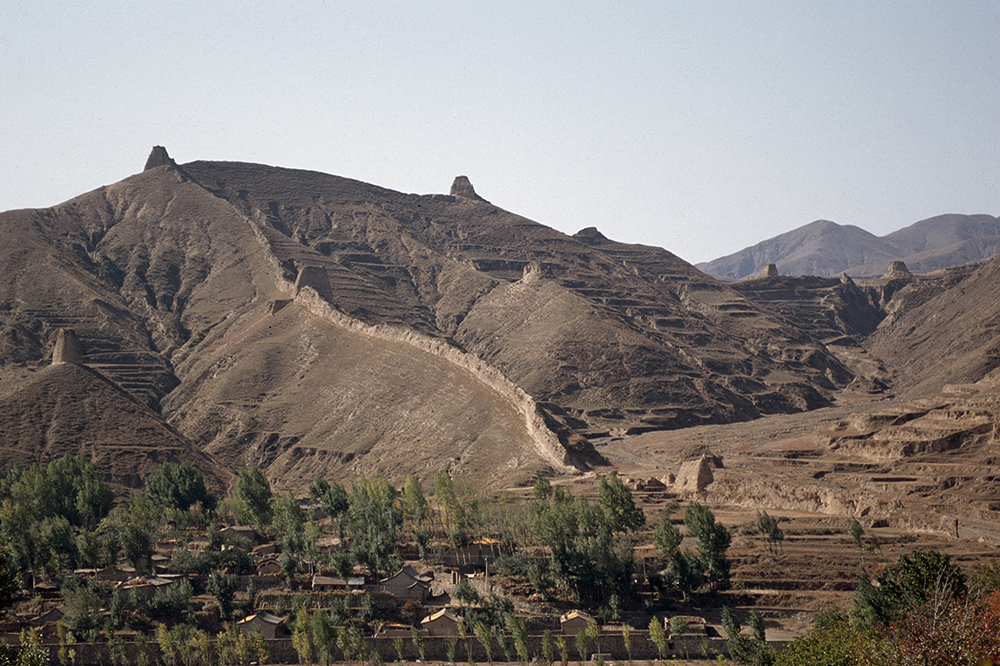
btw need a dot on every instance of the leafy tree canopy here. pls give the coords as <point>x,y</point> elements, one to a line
<point>180,486</point>
<point>620,511</point>
<point>254,493</point>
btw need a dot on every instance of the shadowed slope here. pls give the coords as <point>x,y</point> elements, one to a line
<point>951,337</point>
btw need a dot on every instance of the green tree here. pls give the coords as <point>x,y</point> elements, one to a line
<point>713,542</point>
<point>288,516</point>
<point>83,605</point>
<point>344,644</point>
<point>658,636</point>
<point>289,565</point>
<point>454,517</point>
<point>485,638</point>
<point>907,585</point>
<point>223,588</point>
<point>594,634</point>
<point>856,531</point>
<point>415,507</point>
<point>374,519</point>
<point>45,507</point>
<point>520,635</point>
<point>465,593</point>
<point>165,641</point>
<point>768,526</point>
<point>136,530</point>
<point>418,641</point>
<point>580,642</point>
<point>830,642</point>
<point>542,489</point>
<point>747,650</point>
<point>323,635</point>
<point>301,640</point>
<point>620,512</point>
<point>32,652</point>
<point>548,647</point>
<point>666,537</point>
<point>331,496</point>
<point>179,486</point>
<point>254,494</point>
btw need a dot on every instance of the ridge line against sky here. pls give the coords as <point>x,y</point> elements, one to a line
<point>702,127</point>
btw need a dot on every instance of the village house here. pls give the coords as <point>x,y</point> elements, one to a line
<point>148,586</point>
<point>313,510</point>
<point>330,583</point>
<point>407,585</point>
<point>270,566</point>
<point>573,622</point>
<point>105,574</point>
<point>268,624</point>
<point>441,623</point>
<point>692,624</point>
<point>390,630</point>
<point>269,548</point>
<point>52,615</point>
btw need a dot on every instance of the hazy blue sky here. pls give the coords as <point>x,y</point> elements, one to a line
<point>698,126</point>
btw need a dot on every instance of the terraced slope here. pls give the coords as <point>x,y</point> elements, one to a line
<point>611,336</point>
<point>318,325</point>
<point>67,409</point>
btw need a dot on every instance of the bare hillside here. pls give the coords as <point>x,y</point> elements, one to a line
<point>318,325</point>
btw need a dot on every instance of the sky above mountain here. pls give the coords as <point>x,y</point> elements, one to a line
<point>699,126</point>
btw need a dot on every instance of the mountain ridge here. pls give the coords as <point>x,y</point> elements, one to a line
<point>315,325</point>
<point>825,248</point>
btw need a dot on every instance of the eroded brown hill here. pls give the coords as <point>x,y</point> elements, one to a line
<point>615,336</point>
<point>923,465</point>
<point>68,409</point>
<point>317,325</point>
<point>944,332</point>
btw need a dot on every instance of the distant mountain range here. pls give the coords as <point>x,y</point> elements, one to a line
<point>825,248</point>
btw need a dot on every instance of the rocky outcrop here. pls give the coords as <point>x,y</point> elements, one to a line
<point>157,158</point>
<point>68,348</point>
<point>462,187</point>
